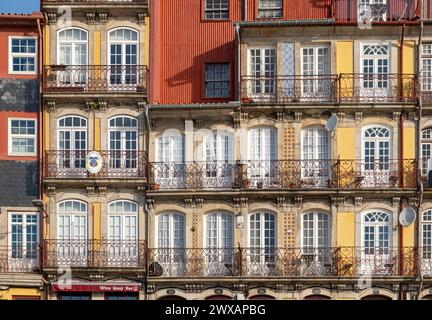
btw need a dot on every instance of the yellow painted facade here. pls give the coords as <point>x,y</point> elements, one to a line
<point>345,64</point>
<point>97,48</point>
<point>97,134</point>
<point>97,221</point>
<point>12,293</point>
<point>346,229</point>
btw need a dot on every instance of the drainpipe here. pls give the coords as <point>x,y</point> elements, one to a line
<point>245,6</point>
<point>237,29</point>
<point>146,209</point>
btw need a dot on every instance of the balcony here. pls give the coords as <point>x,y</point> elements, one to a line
<point>15,259</point>
<point>388,11</point>
<point>94,254</point>
<point>282,262</point>
<point>345,88</point>
<point>289,89</point>
<point>96,79</point>
<point>284,174</point>
<point>116,164</point>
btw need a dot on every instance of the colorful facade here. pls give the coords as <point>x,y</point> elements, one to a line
<point>225,149</point>
<point>20,221</point>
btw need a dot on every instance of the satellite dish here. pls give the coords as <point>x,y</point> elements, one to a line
<point>332,123</point>
<point>407,217</point>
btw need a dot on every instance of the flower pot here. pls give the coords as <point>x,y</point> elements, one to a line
<point>154,186</point>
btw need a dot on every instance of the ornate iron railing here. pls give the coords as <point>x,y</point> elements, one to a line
<point>282,262</point>
<point>115,164</point>
<point>284,174</point>
<point>97,79</point>
<point>284,89</point>
<point>18,259</point>
<point>94,254</point>
<point>345,88</point>
<point>377,88</point>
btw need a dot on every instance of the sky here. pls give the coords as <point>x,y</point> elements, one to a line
<point>19,6</point>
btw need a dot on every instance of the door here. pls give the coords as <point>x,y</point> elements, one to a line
<point>171,171</point>
<point>72,146</point>
<point>375,63</point>
<point>123,234</point>
<point>316,164</point>
<point>219,244</point>
<point>72,246</point>
<point>262,67</point>
<point>316,82</point>
<point>123,146</point>
<point>377,169</point>
<point>24,242</point>
<point>262,164</point>
<point>219,161</point>
<point>426,245</point>
<point>123,58</point>
<point>171,252</point>
<point>262,252</point>
<point>72,53</point>
<point>377,257</point>
<point>316,256</point>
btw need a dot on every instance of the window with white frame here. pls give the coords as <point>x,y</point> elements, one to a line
<point>377,227</point>
<point>123,221</point>
<point>262,236</point>
<point>377,148</point>
<point>72,52</point>
<point>217,80</point>
<point>219,157</point>
<point>72,221</point>
<point>24,235</point>
<point>316,230</point>
<point>171,228</point>
<point>270,9</point>
<point>376,10</point>
<point>262,69</point>
<point>426,67</point>
<point>426,148</point>
<point>171,148</point>
<point>375,64</point>
<point>315,62</point>
<point>315,144</point>
<point>219,230</point>
<point>262,144</point>
<point>426,241</point>
<point>22,55</point>
<point>123,142</point>
<point>22,137</point>
<point>216,9</point>
<point>72,142</point>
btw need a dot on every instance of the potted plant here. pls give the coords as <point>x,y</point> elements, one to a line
<point>154,186</point>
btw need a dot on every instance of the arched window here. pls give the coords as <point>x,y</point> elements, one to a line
<point>123,143</point>
<point>377,155</point>
<point>72,220</point>
<point>72,143</point>
<point>426,147</point>
<point>316,230</point>
<point>375,65</point>
<point>377,233</point>
<point>123,221</point>
<point>123,56</point>
<point>426,241</point>
<point>262,241</point>
<point>262,156</point>
<point>72,52</point>
<point>171,169</point>
<point>219,156</point>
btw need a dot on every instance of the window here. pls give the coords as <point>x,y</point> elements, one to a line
<point>22,137</point>
<point>123,143</point>
<point>22,55</point>
<point>316,63</point>
<point>72,220</point>
<point>426,65</point>
<point>377,227</point>
<point>217,80</point>
<point>171,157</point>
<point>123,221</point>
<point>426,147</point>
<point>262,238</point>
<point>426,241</point>
<point>72,52</point>
<point>74,296</point>
<point>121,296</point>
<point>217,9</point>
<point>72,143</point>
<point>270,8</point>
<point>316,230</point>
<point>24,236</point>
<point>123,56</point>
<point>377,148</point>
<point>315,144</point>
<point>375,65</point>
<point>262,67</point>
<point>374,10</point>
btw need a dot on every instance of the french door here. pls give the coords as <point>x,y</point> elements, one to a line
<point>219,244</point>
<point>123,57</point>
<point>315,70</point>
<point>375,67</point>
<point>426,245</point>
<point>262,167</point>
<point>219,161</point>
<point>123,240</point>
<point>72,245</point>
<point>262,255</point>
<point>172,170</point>
<point>262,66</point>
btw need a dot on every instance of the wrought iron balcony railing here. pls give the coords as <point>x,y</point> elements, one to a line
<point>345,88</point>
<point>115,164</point>
<point>16,259</point>
<point>282,262</point>
<point>96,79</point>
<point>284,174</point>
<point>94,254</point>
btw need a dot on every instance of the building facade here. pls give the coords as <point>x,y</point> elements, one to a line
<point>20,221</point>
<point>94,93</point>
<point>282,152</point>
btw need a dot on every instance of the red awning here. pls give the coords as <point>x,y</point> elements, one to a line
<point>95,287</point>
